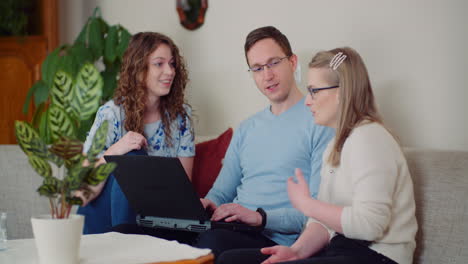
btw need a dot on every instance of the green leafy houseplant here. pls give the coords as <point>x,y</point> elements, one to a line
<point>65,151</point>
<point>70,80</point>
<point>68,96</point>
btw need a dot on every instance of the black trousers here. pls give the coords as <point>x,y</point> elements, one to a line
<point>218,240</point>
<point>221,240</point>
<point>341,250</point>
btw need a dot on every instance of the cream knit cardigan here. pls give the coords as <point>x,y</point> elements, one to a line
<point>374,185</point>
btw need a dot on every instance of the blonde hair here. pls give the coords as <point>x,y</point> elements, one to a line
<point>356,101</point>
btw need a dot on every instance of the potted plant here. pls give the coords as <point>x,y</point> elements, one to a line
<point>72,100</point>
<point>66,99</point>
<point>58,234</point>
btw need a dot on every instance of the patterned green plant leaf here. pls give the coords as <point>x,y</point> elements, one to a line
<point>99,141</point>
<point>67,147</point>
<point>53,182</point>
<point>74,200</point>
<point>32,144</point>
<point>39,148</point>
<point>44,130</point>
<point>74,161</point>
<point>47,190</point>
<point>100,173</point>
<point>25,134</point>
<point>76,176</point>
<point>40,165</point>
<point>62,90</point>
<point>87,92</point>
<point>60,123</point>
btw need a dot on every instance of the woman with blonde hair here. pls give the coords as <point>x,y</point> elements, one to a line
<point>365,210</point>
<point>149,115</point>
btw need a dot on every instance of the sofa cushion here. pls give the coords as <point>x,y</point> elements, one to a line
<point>208,161</point>
<point>18,195</point>
<point>441,193</point>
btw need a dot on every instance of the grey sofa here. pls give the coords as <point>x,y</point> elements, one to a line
<point>441,189</point>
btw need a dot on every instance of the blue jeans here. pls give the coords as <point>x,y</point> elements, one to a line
<point>110,208</point>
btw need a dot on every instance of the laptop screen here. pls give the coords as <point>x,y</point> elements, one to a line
<point>157,186</point>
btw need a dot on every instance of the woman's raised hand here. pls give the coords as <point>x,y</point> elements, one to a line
<point>298,192</point>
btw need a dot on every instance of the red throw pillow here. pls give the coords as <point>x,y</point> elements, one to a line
<point>208,161</point>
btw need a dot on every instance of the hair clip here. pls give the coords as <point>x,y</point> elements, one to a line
<point>337,60</point>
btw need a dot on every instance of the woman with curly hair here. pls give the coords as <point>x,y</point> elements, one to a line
<point>147,114</point>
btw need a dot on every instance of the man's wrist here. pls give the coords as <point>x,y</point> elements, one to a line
<point>263,216</point>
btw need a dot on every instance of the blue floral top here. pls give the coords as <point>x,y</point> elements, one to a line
<point>182,136</point>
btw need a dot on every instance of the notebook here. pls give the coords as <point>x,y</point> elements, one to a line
<point>159,191</point>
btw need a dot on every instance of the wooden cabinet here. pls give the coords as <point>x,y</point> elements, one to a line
<point>20,68</point>
<point>20,65</point>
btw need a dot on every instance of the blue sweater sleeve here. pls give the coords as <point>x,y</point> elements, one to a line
<point>224,188</point>
<point>285,220</point>
<point>290,220</point>
<point>321,137</point>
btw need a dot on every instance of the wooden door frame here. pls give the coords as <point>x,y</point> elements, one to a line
<point>49,21</point>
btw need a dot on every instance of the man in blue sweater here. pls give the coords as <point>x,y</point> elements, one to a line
<point>264,151</point>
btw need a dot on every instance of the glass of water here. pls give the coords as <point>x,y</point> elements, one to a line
<point>3,230</point>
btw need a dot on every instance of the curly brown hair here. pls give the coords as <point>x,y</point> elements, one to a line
<point>132,92</point>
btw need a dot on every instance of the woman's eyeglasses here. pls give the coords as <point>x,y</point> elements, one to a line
<point>314,91</point>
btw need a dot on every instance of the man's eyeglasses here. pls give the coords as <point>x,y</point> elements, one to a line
<point>270,65</point>
<point>314,91</point>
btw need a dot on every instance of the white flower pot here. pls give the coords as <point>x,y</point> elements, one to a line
<point>58,240</point>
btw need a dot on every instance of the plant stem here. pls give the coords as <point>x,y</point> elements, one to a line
<point>52,207</point>
<point>56,202</point>
<point>68,210</point>
<point>62,205</point>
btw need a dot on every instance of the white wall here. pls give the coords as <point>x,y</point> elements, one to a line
<point>416,53</point>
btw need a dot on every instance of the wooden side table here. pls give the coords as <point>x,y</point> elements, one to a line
<point>208,259</point>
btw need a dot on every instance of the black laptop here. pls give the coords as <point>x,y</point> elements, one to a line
<point>159,191</point>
